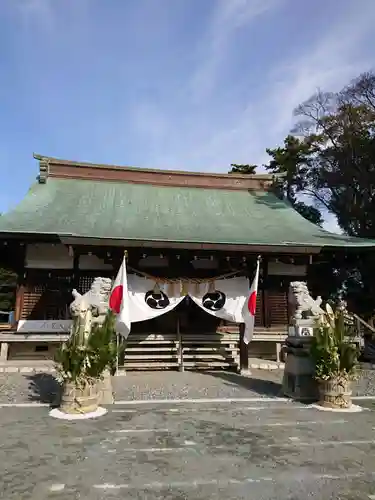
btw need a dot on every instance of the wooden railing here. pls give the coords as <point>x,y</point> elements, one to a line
<point>367,334</point>
<point>362,325</point>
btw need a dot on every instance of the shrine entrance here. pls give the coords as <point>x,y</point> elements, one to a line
<point>185,338</point>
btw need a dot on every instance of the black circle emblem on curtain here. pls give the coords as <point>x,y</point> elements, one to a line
<point>156,300</point>
<point>214,301</point>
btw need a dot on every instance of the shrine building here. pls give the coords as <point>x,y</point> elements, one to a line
<point>78,218</point>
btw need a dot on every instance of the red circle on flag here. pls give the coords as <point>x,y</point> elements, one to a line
<point>115,299</point>
<point>252,303</point>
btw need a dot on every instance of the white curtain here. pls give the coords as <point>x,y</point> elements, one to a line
<point>147,301</point>
<point>224,299</point>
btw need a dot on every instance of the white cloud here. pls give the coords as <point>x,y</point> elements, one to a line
<point>329,64</point>
<point>35,11</point>
<point>228,17</point>
<point>46,15</point>
<point>231,16</point>
<point>183,129</point>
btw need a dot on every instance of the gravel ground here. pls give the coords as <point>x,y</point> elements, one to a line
<point>192,385</point>
<point>365,386</point>
<point>40,387</point>
<point>26,388</point>
<point>268,451</point>
<point>217,384</point>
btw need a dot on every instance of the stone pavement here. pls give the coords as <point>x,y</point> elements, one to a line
<point>259,450</point>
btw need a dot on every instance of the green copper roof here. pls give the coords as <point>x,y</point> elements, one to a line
<point>125,211</point>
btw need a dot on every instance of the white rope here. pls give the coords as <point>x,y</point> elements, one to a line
<point>158,279</point>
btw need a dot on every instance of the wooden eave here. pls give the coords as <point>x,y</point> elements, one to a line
<point>266,249</point>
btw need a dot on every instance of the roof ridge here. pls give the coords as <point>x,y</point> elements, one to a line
<point>60,161</point>
<point>53,167</point>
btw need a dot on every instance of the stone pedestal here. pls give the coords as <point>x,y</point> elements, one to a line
<point>298,381</point>
<point>4,351</point>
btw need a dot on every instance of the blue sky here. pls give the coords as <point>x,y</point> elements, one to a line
<point>183,84</point>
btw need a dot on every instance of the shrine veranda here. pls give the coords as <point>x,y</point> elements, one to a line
<point>77,220</point>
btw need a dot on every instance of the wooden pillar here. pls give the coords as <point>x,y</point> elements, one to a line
<point>244,351</point>
<point>20,292</point>
<point>244,348</point>
<point>21,283</point>
<point>76,256</point>
<point>21,286</point>
<point>265,294</point>
<point>180,351</point>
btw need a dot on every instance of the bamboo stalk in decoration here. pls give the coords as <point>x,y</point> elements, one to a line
<point>117,350</point>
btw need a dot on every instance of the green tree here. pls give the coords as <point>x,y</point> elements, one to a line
<point>8,282</point>
<point>340,172</point>
<point>331,161</point>
<point>292,160</point>
<point>289,161</point>
<point>328,163</point>
<point>242,169</point>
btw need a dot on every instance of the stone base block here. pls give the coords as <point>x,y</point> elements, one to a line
<point>299,365</point>
<point>300,387</point>
<point>298,381</point>
<point>105,390</point>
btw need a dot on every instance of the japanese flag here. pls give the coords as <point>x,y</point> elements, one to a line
<point>119,301</point>
<point>250,308</point>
